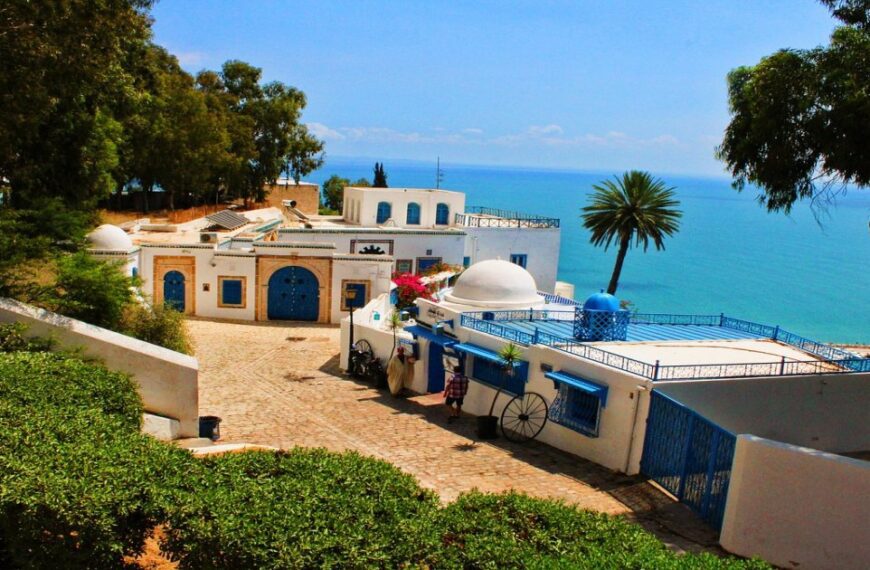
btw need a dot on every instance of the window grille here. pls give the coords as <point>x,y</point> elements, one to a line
<point>520,259</point>
<point>495,375</point>
<point>577,410</point>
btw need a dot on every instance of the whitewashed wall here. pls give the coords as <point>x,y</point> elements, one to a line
<point>377,270</point>
<point>361,205</point>
<point>540,245</point>
<point>168,381</point>
<point>827,412</point>
<point>797,507</point>
<point>450,246</point>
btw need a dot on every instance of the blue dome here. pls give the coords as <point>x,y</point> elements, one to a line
<point>601,302</point>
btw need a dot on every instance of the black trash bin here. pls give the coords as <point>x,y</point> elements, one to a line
<point>487,427</point>
<point>210,427</point>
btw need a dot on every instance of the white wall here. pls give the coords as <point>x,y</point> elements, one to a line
<point>361,205</point>
<point>541,245</point>
<point>827,412</point>
<point>449,246</point>
<point>797,507</point>
<point>168,381</point>
<point>374,269</point>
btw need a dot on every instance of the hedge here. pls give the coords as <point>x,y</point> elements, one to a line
<point>80,487</point>
<point>303,508</point>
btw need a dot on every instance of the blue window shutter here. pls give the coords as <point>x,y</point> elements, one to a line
<point>520,259</point>
<point>466,261</point>
<point>231,292</point>
<point>442,214</point>
<point>385,211</point>
<point>413,218</point>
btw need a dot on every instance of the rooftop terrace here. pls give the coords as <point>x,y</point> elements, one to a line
<point>480,217</point>
<point>675,347</point>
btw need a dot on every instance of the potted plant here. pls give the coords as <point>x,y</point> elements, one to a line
<point>487,426</point>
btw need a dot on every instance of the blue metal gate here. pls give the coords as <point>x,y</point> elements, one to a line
<point>294,295</point>
<point>436,368</point>
<point>688,455</point>
<point>173,289</point>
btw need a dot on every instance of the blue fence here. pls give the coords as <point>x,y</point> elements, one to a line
<point>480,217</point>
<point>831,360</point>
<point>688,455</point>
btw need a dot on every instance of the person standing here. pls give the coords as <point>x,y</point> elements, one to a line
<point>454,391</point>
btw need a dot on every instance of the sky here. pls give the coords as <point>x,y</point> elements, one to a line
<point>586,85</point>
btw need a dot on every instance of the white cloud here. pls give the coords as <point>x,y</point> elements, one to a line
<point>323,132</point>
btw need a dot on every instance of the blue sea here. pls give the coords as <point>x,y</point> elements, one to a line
<point>808,272</point>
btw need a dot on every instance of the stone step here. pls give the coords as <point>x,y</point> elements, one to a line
<point>160,427</point>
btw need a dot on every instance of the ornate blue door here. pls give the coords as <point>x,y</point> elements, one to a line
<point>436,368</point>
<point>173,289</point>
<point>294,295</point>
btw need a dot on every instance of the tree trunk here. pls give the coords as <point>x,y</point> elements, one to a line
<point>617,269</point>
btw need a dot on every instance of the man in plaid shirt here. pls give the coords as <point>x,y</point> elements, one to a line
<point>454,391</point>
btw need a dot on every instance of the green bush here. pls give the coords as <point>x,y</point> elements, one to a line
<point>80,487</point>
<point>512,530</point>
<point>298,509</point>
<point>13,339</point>
<point>161,324</point>
<point>91,290</point>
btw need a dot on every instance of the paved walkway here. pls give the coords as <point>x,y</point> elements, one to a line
<point>280,385</point>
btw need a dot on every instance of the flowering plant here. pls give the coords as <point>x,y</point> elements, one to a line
<point>408,289</point>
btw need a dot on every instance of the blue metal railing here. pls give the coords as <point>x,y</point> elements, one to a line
<point>481,217</point>
<point>831,360</point>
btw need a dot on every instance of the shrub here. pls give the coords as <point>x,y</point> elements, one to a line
<point>80,487</point>
<point>91,290</point>
<point>512,530</point>
<point>297,509</point>
<point>161,324</point>
<point>12,339</point>
<point>409,288</point>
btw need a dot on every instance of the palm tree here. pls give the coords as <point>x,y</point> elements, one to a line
<point>636,207</point>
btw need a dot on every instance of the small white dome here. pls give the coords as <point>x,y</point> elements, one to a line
<point>495,283</point>
<point>112,237</point>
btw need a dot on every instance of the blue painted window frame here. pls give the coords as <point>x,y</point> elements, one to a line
<point>361,294</point>
<point>232,292</point>
<point>520,259</point>
<point>424,263</point>
<point>442,214</point>
<point>413,215</point>
<point>385,212</point>
<point>494,375</point>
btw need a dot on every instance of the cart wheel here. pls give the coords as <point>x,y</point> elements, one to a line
<point>524,417</point>
<point>361,355</point>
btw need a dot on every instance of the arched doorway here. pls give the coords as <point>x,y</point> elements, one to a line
<point>173,289</point>
<point>294,295</point>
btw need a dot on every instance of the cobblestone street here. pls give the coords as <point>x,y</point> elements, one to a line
<point>280,385</point>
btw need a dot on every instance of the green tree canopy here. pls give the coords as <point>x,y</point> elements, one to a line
<point>333,192</point>
<point>800,119</point>
<point>635,208</point>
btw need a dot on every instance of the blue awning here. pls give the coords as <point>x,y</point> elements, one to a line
<point>578,383</point>
<point>480,352</point>
<point>419,331</point>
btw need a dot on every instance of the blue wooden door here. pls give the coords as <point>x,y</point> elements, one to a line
<point>294,295</point>
<point>173,289</point>
<point>436,368</point>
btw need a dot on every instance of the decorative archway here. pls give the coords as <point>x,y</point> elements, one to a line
<point>294,295</point>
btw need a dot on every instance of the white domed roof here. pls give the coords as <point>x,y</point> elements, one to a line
<point>495,283</point>
<point>108,236</point>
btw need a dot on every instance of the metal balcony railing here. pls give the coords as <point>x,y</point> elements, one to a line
<point>480,217</point>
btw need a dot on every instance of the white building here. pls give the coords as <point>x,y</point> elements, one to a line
<point>285,264</point>
<point>683,399</point>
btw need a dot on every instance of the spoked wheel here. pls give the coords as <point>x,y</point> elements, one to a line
<point>361,357</point>
<point>524,417</point>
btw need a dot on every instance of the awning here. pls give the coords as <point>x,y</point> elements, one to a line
<point>419,331</point>
<point>578,383</point>
<point>485,353</point>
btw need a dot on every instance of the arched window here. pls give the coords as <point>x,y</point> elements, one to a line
<point>413,218</point>
<point>442,214</point>
<point>385,211</point>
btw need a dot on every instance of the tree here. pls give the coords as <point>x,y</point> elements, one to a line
<point>380,178</point>
<point>636,207</point>
<point>91,290</point>
<point>800,119</point>
<point>65,80</point>
<point>333,192</point>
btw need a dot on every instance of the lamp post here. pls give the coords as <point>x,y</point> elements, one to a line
<point>350,299</point>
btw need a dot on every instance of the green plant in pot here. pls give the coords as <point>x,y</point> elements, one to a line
<point>509,354</point>
<point>394,323</point>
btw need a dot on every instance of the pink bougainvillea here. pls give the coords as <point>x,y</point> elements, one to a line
<point>409,287</point>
